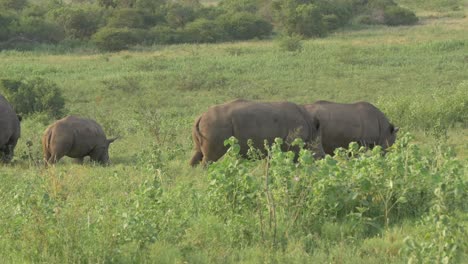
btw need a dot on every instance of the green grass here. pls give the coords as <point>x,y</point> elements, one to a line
<point>150,97</point>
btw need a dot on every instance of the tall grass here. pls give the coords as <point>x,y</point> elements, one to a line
<point>149,206</point>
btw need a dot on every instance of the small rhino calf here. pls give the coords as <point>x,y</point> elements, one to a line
<point>76,138</point>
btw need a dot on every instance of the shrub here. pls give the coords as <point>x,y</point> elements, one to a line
<point>179,15</point>
<point>367,189</point>
<point>77,23</point>
<point>6,20</point>
<point>298,18</point>
<point>13,4</point>
<point>127,17</point>
<point>34,95</point>
<point>164,35</point>
<point>336,13</point>
<point>290,43</point>
<point>243,25</point>
<point>395,16</point>
<point>250,6</point>
<point>202,30</point>
<point>39,30</point>
<point>115,39</point>
<point>331,22</point>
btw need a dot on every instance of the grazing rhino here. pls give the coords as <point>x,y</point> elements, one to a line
<point>252,120</point>
<point>10,130</point>
<point>341,124</point>
<point>76,138</point>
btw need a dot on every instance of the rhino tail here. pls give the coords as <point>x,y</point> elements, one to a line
<point>46,145</point>
<point>197,139</point>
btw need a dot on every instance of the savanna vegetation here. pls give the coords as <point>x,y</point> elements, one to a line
<point>149,206</point>
<point>113,25</point>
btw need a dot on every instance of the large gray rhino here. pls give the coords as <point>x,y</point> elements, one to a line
<point>341,124</point>
<point>252,120</point>
<point>76,138</point>
<point>10,130</point>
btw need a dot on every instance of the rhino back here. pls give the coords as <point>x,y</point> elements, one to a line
<point>252,120</point>
<point>82,135</point>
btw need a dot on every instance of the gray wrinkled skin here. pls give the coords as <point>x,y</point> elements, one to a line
<point>257,121</point>
<point>76,138</point>
<point>360,122</point>
<point>10,130</point>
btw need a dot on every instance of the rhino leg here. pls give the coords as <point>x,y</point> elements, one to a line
<point>54,158</point>
<point>196,159</point>
<point>213,154</point>
<point>78,160</point>
<point>47,156</point>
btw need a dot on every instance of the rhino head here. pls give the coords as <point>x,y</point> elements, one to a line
<point>101,153</point>
<point>6,153</point>
<point>391,136</point>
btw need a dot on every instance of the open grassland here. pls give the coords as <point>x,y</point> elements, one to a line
<point>149,206</point>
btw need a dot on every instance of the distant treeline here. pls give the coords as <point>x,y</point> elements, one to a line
<point>119,24</point>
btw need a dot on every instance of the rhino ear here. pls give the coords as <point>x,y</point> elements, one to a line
<point>393,129</point>
<point>20,118</point>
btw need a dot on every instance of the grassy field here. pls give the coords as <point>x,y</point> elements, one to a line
<point>150,207</point>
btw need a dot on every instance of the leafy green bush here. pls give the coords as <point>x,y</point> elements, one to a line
<point>179,15</point>
<point>290,43</point>
<point>164,35</point>
<point>34,95</point>
<point>243,25</point>
<point>13,4</point>
<point>250,6</point>
<point>39,30</point>
<point>396,15</point>
<point>6,20</point>
<point>202,30</point>
<point>368,189</point>
<point>115,39</point>
<point>78,23</point>
<point>130,18</point>
<point>299,18</point>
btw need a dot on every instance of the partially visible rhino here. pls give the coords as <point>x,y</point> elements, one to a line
<point>10,130</point>
<point>252,120</point>
<point>76,138</point>
<point>341,124</point>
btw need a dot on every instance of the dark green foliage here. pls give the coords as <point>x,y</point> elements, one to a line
<point>189,20</point>
<point>300,18</point>
<point>38,29</point>
<point>384,12</point>
<point>395,16</point>
<point>127,17</point>
<point>243,25</point>
<point>6,21</point>
<point>13,4</point>
<point>250,6</point>
<point>317,17</point>
<point>290,43</point>
<point>209,12</point>
<point>34,95</point>
<point>107,3</point>
<point>164,35</point>
<point>78,23</point>
<point>179,15</point>
<point>115,39</point>
<point>150,5</point>
<point>202,30</point>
